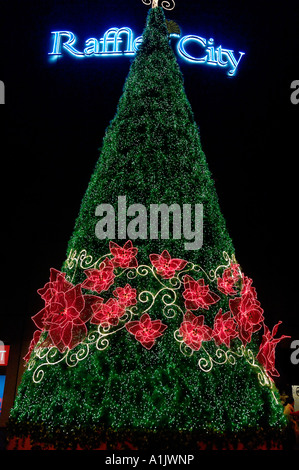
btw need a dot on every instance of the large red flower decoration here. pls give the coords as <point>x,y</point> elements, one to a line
<point>57,283</point>
<point>225,328</point>
<point>193,330</point>
<point>64,317</point>
<point>126,295</point>
<point>247,287</point>
<point>123,257</point>
<point>226,283</point>
<point>101,279</point>
<point>165,265</point>
<point>248,313</point>
<point>197,295</point>
<point>108,313</point>
<point>266,354</point>
<point>146,330</point>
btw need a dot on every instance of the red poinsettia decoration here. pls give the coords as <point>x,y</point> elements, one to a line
<point>125,256</point>
<point>101,279</point>
<point>193,330</point>
<point>226,284</point>
<point>225,328</point>
<point>146,330</point>
<point>165,265</point>
<point>57,283</point>
<point>266,354</point>
<point>64,317</point>
<point>108,313</point>
<point>247,312</point>
<point>197,294</point>
<point>247,287</point>
<point>126,295</point>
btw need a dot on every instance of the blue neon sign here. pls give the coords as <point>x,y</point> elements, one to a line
<point>120,41</point>
<point>215,56</point>
<point>108,45</point>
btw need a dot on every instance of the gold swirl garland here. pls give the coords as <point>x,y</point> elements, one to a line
<point>85,261</point>
<point>82,260</point>
<point>166,4</point>
<point>206,363</point>
<point>99,337</point>
<point>52,356</point>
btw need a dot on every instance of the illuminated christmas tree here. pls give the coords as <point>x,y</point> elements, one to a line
<point>151,335</point>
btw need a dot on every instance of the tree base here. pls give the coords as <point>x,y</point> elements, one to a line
<point>149,441</point>
<point>26,444</point>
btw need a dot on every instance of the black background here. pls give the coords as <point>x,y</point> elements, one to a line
<point>56,114</point>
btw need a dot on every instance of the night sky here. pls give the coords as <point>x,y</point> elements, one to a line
<point>56,113</point>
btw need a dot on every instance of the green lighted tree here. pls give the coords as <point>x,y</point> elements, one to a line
<point>143,340</point>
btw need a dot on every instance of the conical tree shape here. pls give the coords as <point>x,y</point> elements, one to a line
<point>152,155</point>
<point>140,346</point>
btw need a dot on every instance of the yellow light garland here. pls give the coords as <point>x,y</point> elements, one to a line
<point>168,294</point>
<point>166,4</point>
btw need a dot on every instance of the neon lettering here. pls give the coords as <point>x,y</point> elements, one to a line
<point>182,51</point>
<point>92,46</point>
<point>213,56</point>
<point>232,60</point>
<point>120,41</point>
<point>112,38</point>
<point>68,45</point>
